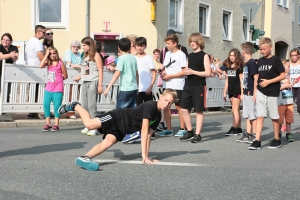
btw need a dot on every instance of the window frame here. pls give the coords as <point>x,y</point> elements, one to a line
<point>230,18</point>
<point>281,3</point>
<point>247,28</point>
<point>64,24</point>
<point>179,16</point>
<point>299,13</point>
<point>207,20</point>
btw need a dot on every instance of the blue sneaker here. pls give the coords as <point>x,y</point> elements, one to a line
<point>67,107</point>
<point>165,133</point>
<point>86,163</point>
<point>180,133</point>
<point>135,140</point>
<point>130,137</point>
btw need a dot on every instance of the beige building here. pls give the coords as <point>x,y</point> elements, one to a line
<point>224,24</point>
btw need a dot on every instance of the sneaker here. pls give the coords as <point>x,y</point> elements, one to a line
<point>275,144</point>
<point>239,131</point>
<point>165,133</point>
<point>92,133</point>
<point>67,107</point>
<point>55,129</point>
<point>232,131</point>
<point>188,136</point>
<point>251,139</point>
<point>180,133</point>
<point>132,136</point>
<point>46,128</point>
<point>244,138</point>
<point>86,163</point>
<point>283,128</point>
<point>135,140</point>
<point>289,137</point>
<point>196,138</point>
<point>85,130</point>
<point>255,145</point>
<point>161,126</point>
<point>153,136</point>
<point>280,134</point>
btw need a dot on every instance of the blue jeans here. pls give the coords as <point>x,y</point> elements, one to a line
<point>127,99</point>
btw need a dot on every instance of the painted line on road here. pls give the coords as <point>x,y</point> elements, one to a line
<point>157,163</point>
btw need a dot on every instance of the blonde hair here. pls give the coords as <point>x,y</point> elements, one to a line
<point>284,61</point>
<point>132,38</point>
<point>198,38</point>
<point>247,47</point>
<point>172,92</point>
<point>57,57</point>
<point>265,40</point>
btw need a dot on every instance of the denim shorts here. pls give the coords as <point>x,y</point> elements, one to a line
<point>127,99</point>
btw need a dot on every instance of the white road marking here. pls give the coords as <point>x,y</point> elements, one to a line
<point>157,163</point>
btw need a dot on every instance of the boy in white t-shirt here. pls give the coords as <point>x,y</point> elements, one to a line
<point>147,75</point>
<point>173,75</point>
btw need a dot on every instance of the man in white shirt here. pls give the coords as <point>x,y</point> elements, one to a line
<point>34,47</point>
<point>34,52</point>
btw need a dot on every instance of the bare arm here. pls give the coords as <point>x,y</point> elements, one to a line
<point>98,61</point>
<point>112,81</point>
<point>153,73</point>
<point>225,89</point>
<point>145,143</point>
<point>40,55</point>
<point>64,70</point>
<point>266,82</point>
<point>44,61</point>
<point>73,65</point>
<point>241,85</point>
<point>255,87</point>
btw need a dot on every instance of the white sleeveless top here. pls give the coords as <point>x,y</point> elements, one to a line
<point>295,73</point>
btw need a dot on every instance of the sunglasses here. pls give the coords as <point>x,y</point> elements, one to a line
<point>49,33</point>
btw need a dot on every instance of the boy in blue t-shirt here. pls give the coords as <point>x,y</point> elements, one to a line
<point>127,70</point>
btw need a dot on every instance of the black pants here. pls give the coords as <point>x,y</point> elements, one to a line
<point>143,97</point>
<point>296,97</point>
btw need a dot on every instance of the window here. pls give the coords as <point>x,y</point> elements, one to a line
<point>299,13</point>
<point>245,28</point>
<point>293,11</point>
<point>204,19</point>
<point>283,3</point>
<point>227,25</point>
<point>50,13</point>
<point>176,15</point>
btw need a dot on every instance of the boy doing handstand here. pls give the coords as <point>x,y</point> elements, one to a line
<point>115,124</point>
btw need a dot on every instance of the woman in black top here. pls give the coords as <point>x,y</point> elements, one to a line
<point>233,88</point>
<point>48,40</point>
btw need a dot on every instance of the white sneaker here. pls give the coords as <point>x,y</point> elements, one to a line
<point>93,132</point>
<point>84,131</point>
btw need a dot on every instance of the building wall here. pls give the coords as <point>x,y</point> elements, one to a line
<point>214,44</point>
<point>296,26</point>
<point>126,18</point>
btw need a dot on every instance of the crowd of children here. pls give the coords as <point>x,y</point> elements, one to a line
<point>261,85</point>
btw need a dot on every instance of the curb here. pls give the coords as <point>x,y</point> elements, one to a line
<point>19,123</point>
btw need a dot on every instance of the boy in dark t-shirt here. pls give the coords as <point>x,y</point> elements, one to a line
<point>249,108</point>
<point>194,90</point>
<point>117,123</point>
<point>270,72</point>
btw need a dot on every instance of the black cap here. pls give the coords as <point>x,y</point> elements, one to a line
<point>170,32</point>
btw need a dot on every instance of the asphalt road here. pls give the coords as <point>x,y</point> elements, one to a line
<point>37,165</point>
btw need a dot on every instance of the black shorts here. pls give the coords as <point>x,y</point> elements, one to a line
<point>194,95</point>
<point>108,126</point>
<point>179,95</point>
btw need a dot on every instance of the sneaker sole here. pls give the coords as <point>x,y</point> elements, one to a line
<point>254,148</point>
<point>90,166</point>
<point>168,135</point>
<point>129,139</point>
<point>91,134</point>
<point>270,147</point>
<point>45,130</point>
<point>196,141</point>
<point>231,134</point>
<point>241,141</point>
<point>178,135</point>
<point>249,142</point>
<point>291,140</point>
<point>186,140</point>
<point>54,130</point>
<point>133,141</point>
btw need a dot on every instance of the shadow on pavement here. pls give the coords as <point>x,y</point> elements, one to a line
<point>43,149</point>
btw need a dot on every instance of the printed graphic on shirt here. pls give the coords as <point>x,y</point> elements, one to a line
<point>51,76</point>
<point>265,68</point>
<point>286,93</point>
<point>231,72</point>
<point>245,77</point>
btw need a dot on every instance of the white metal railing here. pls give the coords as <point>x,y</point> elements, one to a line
<point>27,85</point>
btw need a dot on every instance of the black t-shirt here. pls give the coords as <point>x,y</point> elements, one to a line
<point>196,62</point>
<point>248,80</point>
<point>129,120</point>
<point>3,51</point>
<point>234,83</point>
<point>180,47</point>
<point>269,68</point>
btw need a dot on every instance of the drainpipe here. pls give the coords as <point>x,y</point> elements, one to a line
<point>87,28</point>
<point>263,15</point>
